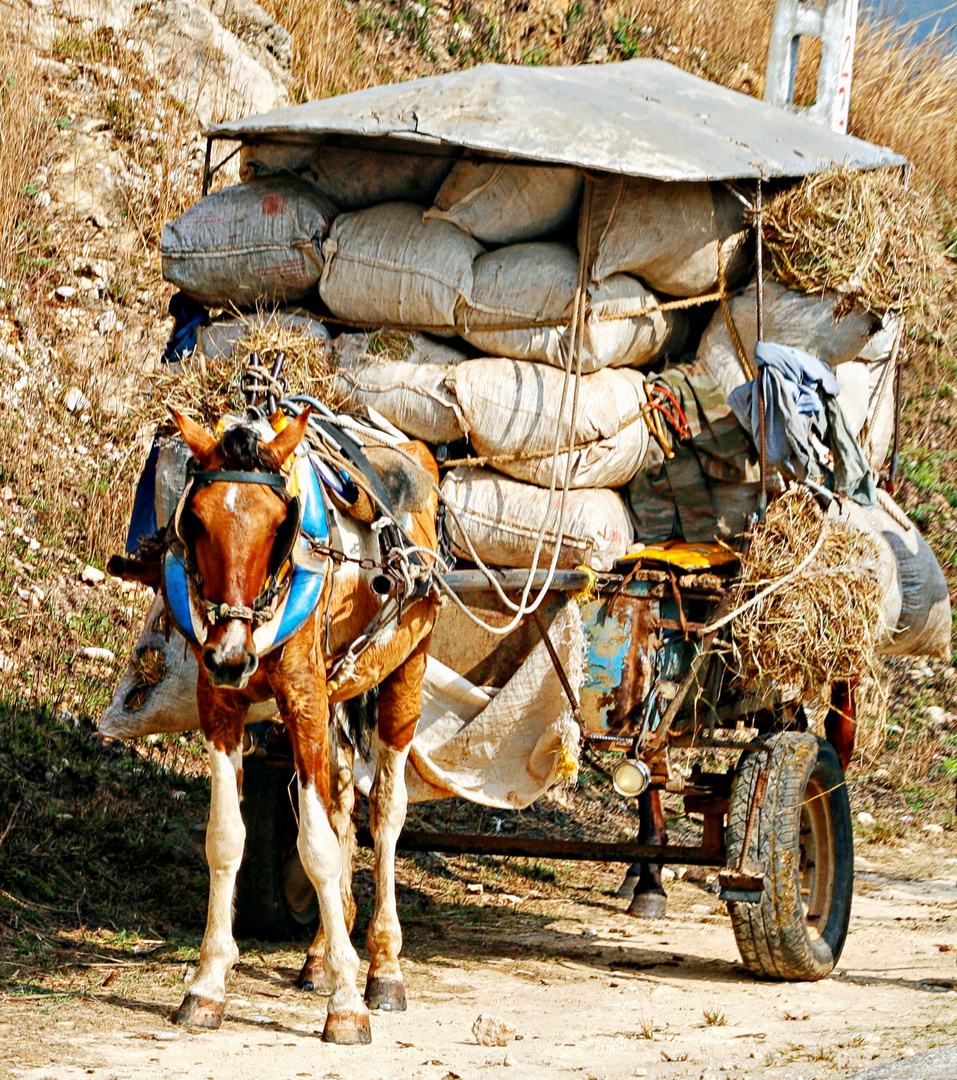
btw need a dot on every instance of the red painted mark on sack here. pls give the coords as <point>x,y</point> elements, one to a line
<point>273,205</point>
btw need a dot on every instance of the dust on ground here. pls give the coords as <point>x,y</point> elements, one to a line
<point>545,947</point>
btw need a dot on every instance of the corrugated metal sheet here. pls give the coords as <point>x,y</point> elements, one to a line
<point>640,117</point>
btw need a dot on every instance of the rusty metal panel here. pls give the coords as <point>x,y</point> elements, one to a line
<point>638,118</point>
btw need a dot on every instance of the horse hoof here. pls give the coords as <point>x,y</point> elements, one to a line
<point>313,977</point>
<point>627,888</point>
<point>649,905</point>
<point>385,994</point>
<point>347,1029</point>
<point>199,1012</point>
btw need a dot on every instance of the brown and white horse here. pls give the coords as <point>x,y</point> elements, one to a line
<point>235,526</point>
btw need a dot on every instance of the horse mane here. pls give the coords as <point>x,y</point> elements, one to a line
<point>243,450</point>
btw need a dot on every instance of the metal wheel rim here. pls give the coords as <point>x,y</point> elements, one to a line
<point>816,864</point>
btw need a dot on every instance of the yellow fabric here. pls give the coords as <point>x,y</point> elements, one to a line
<point>685,555</point>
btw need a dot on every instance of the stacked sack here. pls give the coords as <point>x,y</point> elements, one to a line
<point>478,263</point>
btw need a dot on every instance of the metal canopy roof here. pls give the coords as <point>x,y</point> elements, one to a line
<point>640,117</point>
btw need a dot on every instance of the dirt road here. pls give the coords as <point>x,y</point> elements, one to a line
<point>590,992</point>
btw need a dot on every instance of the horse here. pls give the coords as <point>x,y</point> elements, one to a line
<point>271,609</point>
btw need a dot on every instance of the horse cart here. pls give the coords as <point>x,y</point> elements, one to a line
<point>652,675</point>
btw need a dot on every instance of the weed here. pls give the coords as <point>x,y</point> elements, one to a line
<point>714,1018</point>
<point>646,1027</point>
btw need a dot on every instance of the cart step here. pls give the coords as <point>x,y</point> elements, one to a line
<point>741,896</point>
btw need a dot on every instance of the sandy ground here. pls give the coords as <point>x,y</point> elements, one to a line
<point>590,992</point>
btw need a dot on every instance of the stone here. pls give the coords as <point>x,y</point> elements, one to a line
<point>936,830</point>
<point>490,1031</point>
<point>65,292</point>
<point>75,401</point>
<point>91,652</point>
<point>91,576</point>
<point>107,322</point>
<point>864,818</point>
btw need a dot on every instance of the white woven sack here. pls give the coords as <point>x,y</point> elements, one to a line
<point>503,519</point>
<point>387,266</point>
<point>168,705</point>
<point>352,178</point>
<point>666,233</point>
<point>916,599</point>
<point>410,392</point>
<point>256,243</point>
<point>500,203</point>
<point>790,318</point>
<point>511,408</point>
<point>536,282</point>
<point>218,339</point>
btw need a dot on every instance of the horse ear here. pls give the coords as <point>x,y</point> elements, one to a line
<point>289,438</point>
<point>197,438</point>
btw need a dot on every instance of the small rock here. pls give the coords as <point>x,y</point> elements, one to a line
<point>74,400</point>
<point>65,292</point>
<point>588,934</point>
<point>107,322</point>
<point>166,1036</point>
<point>931,828</point>
<point>696,873</point>
<point>508,1061</point>
<point>490,1031</point>
<point>667,874</point>
<point>91,652</point>
<point>864,818</point>
<point>6,493</point>
<point>91,576</point>
<point>475,887</point>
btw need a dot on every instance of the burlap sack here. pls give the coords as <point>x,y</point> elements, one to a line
<point>256,243</point>
<point>503,203</point>
<point>666,233</point>
<point>386,266</point>
<point>511,411</point>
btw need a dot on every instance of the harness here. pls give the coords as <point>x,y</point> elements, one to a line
<point>296,576</point>
<point>307,543</point>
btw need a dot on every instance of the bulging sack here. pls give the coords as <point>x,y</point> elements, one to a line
<point>916,599</point>
<point>386,266</point>
<point>666,233</point>
<point>790,318</point>
<point>256,243</point>
<point>502,203</point>
<point>511,411</point>
<point>527,283</point>
<point>157,693</point>
<point>402,376</point>
<point>504,518</point>
<point>353,179</point>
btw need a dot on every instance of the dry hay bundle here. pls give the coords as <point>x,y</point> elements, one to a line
<point>866,235</point>
<point>206,389</point>
<point>816,615</point>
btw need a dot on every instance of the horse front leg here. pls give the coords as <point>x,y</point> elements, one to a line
<point>400,703</point>
<point>301,695</point>
<point>312,976</point>
<point>205,1001</point>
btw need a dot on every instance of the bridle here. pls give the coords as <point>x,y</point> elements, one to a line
<point>263,607</point>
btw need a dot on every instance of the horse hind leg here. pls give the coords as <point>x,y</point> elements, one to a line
<point>400,703</point>
<point>205,1002</point>
<point>649,900</point>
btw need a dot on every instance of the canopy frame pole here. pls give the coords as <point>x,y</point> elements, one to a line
<point>759,381</point>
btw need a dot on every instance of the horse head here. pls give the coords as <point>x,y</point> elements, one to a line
<point>232,524</point>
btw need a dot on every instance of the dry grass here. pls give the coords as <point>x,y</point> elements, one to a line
<point>866,235</point>
<point>206,389</point>
<point>824,624</point>
<point>325,37</point>
<point>23,139</point>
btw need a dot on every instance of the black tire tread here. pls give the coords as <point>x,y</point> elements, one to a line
<point>772,936</point>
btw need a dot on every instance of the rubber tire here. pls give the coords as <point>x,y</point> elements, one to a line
<point>263,909</point>
<point>774,937</point>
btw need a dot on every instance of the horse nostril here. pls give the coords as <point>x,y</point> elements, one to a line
<point>229,669</point>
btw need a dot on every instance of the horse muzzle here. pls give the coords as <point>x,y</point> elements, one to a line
<point>229,665</point>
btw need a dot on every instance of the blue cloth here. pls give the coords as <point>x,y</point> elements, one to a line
<point>143,519</point>
<point>190,315</point>
<point>798,390</point>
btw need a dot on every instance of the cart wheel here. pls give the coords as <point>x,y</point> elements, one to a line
<point>804,839</point>
<point>275,900</point>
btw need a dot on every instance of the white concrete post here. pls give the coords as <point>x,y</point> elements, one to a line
<point>835,23</point>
